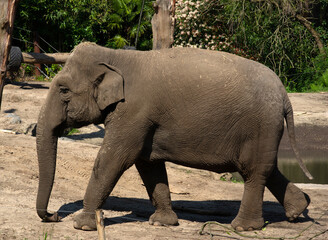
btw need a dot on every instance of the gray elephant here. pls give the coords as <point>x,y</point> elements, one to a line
<point>202,109</point>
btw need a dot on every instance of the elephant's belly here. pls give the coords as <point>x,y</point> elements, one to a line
<point>207,158</point>
<point>195,144</point>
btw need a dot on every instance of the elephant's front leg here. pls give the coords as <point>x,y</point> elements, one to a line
<point>154,177</point>
<point>112,160</point>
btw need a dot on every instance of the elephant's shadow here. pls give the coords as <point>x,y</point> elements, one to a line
<point>222,211</point>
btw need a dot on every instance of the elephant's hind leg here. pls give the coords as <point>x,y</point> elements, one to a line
<point>256,164</point>
<point>249,216</point>
<point>154,177</point>
<point>290,197</point>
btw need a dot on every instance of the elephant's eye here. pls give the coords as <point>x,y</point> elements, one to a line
<point>63,90</point>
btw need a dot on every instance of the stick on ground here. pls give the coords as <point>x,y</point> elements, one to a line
<point>100,224</point>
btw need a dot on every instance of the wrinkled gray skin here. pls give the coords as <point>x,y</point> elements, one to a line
<point>202,109</point>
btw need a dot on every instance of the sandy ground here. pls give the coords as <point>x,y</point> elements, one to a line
<point>198,196</point>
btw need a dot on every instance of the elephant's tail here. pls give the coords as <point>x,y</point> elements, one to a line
<point>288,112</point>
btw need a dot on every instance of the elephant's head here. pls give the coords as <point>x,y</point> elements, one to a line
<point>79,95</point>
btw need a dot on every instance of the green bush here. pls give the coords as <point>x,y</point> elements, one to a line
<point>316,76</point>
<point>52,70</point>
<point>66,23</point>
<point>265,31</point>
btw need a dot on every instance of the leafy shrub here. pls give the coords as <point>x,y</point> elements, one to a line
<point>197,29</point>
<point>260,30</point>
<point>53,69</point>
<point>316,76</point>
<point>65,23</point>
<point>199,26</point>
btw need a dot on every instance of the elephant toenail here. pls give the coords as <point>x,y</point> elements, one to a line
<point>75,225</point>
<point>157,224</point>
<point>239,229</point>
<point>87,228</point>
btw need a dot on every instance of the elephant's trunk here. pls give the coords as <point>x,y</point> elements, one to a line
<point>50,119</point>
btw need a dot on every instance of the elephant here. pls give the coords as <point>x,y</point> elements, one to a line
<point>203,109</point>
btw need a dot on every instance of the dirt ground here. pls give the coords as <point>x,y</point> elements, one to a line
<point>198,196</point>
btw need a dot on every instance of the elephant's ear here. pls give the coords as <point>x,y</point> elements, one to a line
<point>109,86</point>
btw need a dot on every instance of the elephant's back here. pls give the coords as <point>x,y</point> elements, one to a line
<point>212,66</point>
<point>213,74</point>
<point>217,88</point>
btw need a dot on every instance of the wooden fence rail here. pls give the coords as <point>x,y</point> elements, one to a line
<point>45,58</point>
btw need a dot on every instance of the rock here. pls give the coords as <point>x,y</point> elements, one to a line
<point>66,139</point>
<point>13,118</point>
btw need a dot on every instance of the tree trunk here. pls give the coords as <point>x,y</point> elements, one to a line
<point>314,33</point>
<point>306,23</point>
<point>163,24</point>
<point>7,16</point>
<point>36,44</point>
<point>290,10</point>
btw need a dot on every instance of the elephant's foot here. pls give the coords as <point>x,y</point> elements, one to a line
<point>242,224</point>
<point>85,221</point>
<point>295,202</point>
<point>162,218</point>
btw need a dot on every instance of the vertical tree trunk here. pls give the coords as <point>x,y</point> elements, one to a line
<point>7,16</point>
<point>36,44</point>
<point>163,24</point>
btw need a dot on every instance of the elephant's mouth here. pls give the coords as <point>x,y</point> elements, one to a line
<point>75,123</point>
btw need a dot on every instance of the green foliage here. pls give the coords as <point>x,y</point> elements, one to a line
<point>280,42</point>
<point>231,179</point>
<point>199,25</point>
<point>196,29</point>
<point>70,131</point>
<point>266,31</point>
<point>73,131</point>
<point>65,23</point>
<point>28,69</point>
<point>40,78</point>
<point>315,76</point>
<point>52,70</point>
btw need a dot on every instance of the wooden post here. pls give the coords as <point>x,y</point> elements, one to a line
<point>163,24</point>
<point>36,43</point>
<point>100,224</point>
<point>7,17</point>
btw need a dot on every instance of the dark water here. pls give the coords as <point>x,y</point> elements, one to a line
<point>316,162</point>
